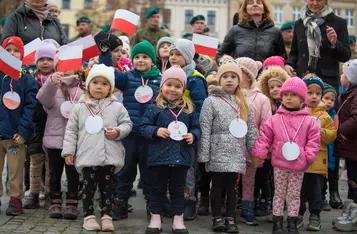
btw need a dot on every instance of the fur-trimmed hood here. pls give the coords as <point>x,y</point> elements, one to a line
<point>266,75</point>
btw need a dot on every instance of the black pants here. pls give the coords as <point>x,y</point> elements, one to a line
<point>264,182</point>
<point>173,177</point>
<point>104,177</point>
<point>227,181</point>
<point>312,186</point>
<point>205,180</point>
<point>56,167</point>
<point>351,167</point>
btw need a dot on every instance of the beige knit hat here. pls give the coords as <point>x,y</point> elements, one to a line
<point>230,67</point>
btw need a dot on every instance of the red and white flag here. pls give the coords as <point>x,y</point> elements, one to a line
<point>205,45</point>
<point>70,58</point>
<point>125,21</point>
<point>90,48</point>
<point>30,51</point>
<point>9,64</point>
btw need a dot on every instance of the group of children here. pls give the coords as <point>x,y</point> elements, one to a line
<point>237,125</point>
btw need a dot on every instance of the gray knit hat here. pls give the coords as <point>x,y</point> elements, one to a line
<point>186,48</point>
<point>162,40</point>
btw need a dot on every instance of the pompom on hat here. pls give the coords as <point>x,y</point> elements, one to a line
<point>294,85</point>
<point>102,71</point>
<point>174,72</point>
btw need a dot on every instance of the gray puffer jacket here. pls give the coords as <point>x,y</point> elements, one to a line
<point>219,149</point>
<point>96,150</point>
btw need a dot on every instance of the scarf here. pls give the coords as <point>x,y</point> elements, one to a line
<point>313,22</point>
<point>189,69</point>
<point>153,73</point>
<point>41,13</point>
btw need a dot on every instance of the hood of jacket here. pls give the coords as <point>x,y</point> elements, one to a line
<point>265,76</point>
<point>283,111</point>
<point>216,90</point>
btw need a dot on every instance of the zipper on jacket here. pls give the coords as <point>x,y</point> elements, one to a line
<point>255,47</point>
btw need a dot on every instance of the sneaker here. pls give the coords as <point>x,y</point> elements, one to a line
<point>231,226</point>
<point>247,216</point>
<point>350,223</point>
<point>345,213</point>
<point>32,201</point>
<point>107,224</point>
<point>120,209</point>
<point>190,210</point>
<point>325,206</point>
<point>90,223</point>
<point>314,223</point>
<point>15,207</point>
<point>130,208</point>
<point>300,221</point>
<point>263,209</point>
<point>218,224</point>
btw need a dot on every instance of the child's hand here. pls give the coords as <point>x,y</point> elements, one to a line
<point>69,160</point>
<point>111,133</point>
<point>163,133</point>
<point>56,77</point>
<point>257,162</point>
<point>92,61</point>
<point>18,139</point>
<point>189,138</point>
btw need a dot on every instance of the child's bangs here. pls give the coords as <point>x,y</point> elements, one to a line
<point>314,88</point>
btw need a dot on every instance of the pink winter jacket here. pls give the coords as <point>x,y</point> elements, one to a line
<point>51,97</point>
<point>272,134</point>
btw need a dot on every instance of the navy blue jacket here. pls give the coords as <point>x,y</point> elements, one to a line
<point>18,121</point>
<point>167,151</point>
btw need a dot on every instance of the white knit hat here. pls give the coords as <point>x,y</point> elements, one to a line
<point>350,70</point>
<point>186,48</point>
<point>102,71</point>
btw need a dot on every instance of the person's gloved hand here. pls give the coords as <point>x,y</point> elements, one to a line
<point>102,41</point>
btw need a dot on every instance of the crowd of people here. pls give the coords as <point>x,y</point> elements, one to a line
<point>259,128</point>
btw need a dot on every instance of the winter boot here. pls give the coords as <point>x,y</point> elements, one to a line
<point>55,210</point>
<point>231,225</point>
<point>120,209</point>
<point>90,223</point>
<point>350,223</point>
<point>292,225</point>
<point>107,224</point>
<point>32,201</point>
<point>15,207</point>
<point>71,210</point>
<point>178,225</point>
<point>335,200</point>
<point>248,214</point>
<point>345,212</point>
<point>314,223</point>
<point>203,206</point>
<point>278,225</point>
<point>218,224</point>
<point>190,210</point>
<point>263,209</point>
<point>154,225</point>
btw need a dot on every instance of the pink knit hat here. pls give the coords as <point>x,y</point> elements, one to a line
<point>274,61</point>
<point>294,85</point>
<point>174,72</point>
<point>249,66</point>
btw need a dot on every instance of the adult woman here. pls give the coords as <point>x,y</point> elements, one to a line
<point>255,35</point>
<point>32,20</point>
<point>320,42</point>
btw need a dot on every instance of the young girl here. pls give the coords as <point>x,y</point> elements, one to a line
<point>163,53</point>
<point>262,112</point>
<point>44,60</point>
<point>171,126</point>
<point>228,131</point>
<point>95,148</point>
<point>58,95</point>
<point>294,138</point>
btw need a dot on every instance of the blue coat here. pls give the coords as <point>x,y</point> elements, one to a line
<point>196,90</point>
<point>18,121</point>
<point>331,146</point>
<point>167,151</point>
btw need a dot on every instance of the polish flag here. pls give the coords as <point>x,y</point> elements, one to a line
<point>90,48</point>
<point>9,64</point>
<point>70,58</point>
<point>30,51</point>
<point>125,21</point>
<point>205,45</point>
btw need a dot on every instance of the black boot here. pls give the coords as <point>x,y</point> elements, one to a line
<point>231,225</point>
<point>278,225</point>
<point>120,209</point>
<point>292,225</point>
<point>203,206</point>
<point>335,200</point>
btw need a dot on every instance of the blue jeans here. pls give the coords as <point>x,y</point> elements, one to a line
<point>135,152</point>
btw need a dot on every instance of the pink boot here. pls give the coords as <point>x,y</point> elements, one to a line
<point>90,223</point>
<point>107,224</point>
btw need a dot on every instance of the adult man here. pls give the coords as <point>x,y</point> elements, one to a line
<point>152,32</point>
<point>287,31</point>
<point>84,27</point>
<point>198,24</point>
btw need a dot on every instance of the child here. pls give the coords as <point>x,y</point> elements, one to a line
<point>294,138</point>
<point>97,152</point>
<point>44,59</point>
<point>163,53</point>
<point>274,61</point>
<point>16,125</point>
<point>262,112</point>
<point>170,151</point>
<point>346,142</point>
<point>211,76</point>
<point>222,148</point>
<point>314,176</point>
<point>58,96</point>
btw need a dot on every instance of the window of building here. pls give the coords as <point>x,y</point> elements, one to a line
<point>66,4</point>
<point>211,17</point>
<point>188,16</point>
<point>350,18</point>
<point>337,11</point>
<point>88,4</point>
<point>296,13</point>
<point>278,14</point>
<point>66,29</point>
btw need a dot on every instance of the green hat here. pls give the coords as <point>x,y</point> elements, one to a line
<point>164,26</point>
<point>2,21</point>
<point>152,11</point>
<point>287,25</point>
<point>351,39</point>
<point>187,35</point>
<point>197,17</point>
<point>106,28</point>
<point>144,47</point>
<point>206,30</point>
<point>83,19</point>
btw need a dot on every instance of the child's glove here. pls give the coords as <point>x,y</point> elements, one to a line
<point>127,62</point>
<point>18,139</point>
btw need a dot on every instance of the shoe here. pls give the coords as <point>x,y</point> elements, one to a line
<point>231,225</point>
<point>47,201</point>
<point>71,210</point>
<point>278,225</point>
<point>130,208</point>
<point>292,225</point>
<point>350,223</point>
<point>32,201</point>
<point>218,224</point>
<point>41,196</point>
<point>325,206</point>
<point>190,210</point>
<point>107,224</point>
<point>300,221</point>
<point>248,214</point>
<point>263,209</point>
<point>27,192</point>
<point>345,213</point>
<point>120,209</point>
<point>203,206</point>
<point>314,223</point>
<point>90,223</point>
<point>15,207</point>
<point>155,223</point>
<point>178,225</point>
<point>55,210</point>
<point>335,199</point>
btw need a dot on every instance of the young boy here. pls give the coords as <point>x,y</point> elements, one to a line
<point>314,176</point>
<point>16,124</point>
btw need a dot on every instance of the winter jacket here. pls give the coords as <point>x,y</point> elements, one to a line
<point>256,42</point>
<point>219,149</point>
<point>18,121</point>
<point>328,135</point>
<point>328,64</point>
<point>272,135</point>
<point>347,116</point>
<point>51,97</point>
<point>167,151</point>
<point>152,35</point>
<point>331,146</point>
<point>95,149</point>
<point>25,24</point>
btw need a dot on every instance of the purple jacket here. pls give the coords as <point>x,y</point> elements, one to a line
<point>272,134</point>
<point>51,97</point>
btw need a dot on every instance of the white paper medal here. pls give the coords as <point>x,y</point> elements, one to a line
<point>177,129</point>
<point>11,100</point>
<point>291,151</point>
<point>66,109</point>
<point>143,94</point>
<point>317,121</point>
<point>238,128</point>
<point>94,124</point>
